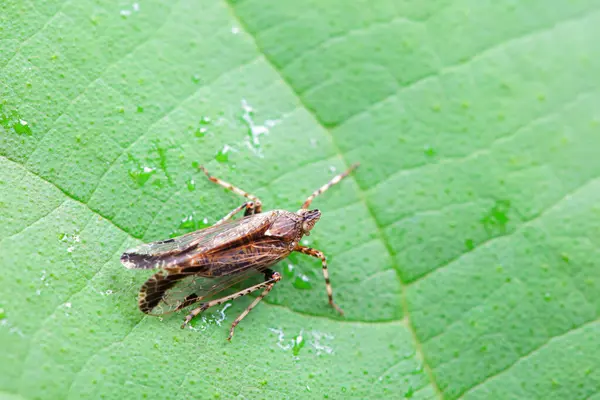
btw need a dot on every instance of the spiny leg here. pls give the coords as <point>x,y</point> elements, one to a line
<point>249,206</point>
<point>329,184</point>
<point>275,277</point>
<point>316,253</point>
<point>194,298</point>
<point>257,203</point>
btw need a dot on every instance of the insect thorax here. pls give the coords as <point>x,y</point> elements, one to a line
<point>287,226</point>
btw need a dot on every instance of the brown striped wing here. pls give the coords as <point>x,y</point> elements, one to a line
<point>176,251</point>
<point>174,288</point>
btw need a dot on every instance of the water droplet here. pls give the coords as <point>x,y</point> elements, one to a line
<point>141,174</point>
<point>223,154</point>
<point>2,313</point>
<point>162,159</point>
<point>547,296</point>
<point>191,184</point>
<point>136,7</point>
<point>125,13</point>
<point>235,30</point>
<point>497,217</point>
<point>187,223</point>
<point>140,109</point>
<point>190,224</point>
<point>255,130</point>
<point>429,151</point>
<point>298,344</point>
<point>302,282</point>
<point>13,120</point>
<point>317,342</point>
<point>288,271</point>
<point>196,78</point>
<point>469,244</point>
<point>200,132</point>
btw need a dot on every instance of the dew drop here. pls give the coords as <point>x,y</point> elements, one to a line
<point>302,282</point>
<point>298,344</point>
<point>203,126</point>
<point>191,184</point>
<point>141,174</point>
<point>288,271</point>
<point>188,223</point>
<point>200,132</point>
<point>13,120</point>
<point>429,151</point>
<point>469,244</point>
<point>222,155</point>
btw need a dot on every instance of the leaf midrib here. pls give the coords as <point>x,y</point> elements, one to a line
<point>380,234</point>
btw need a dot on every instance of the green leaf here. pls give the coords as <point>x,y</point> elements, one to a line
<point>464,250</point>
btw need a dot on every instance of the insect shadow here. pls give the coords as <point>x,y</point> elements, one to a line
<point>196,267</point>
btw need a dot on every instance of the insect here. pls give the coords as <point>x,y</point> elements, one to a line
<point>196,267</point>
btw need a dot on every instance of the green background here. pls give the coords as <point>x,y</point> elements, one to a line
<point>464,250</point>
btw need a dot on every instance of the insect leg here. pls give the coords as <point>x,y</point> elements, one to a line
<point>193,298</point>
<point>275,277</point>
<point>257,203</point>
<point>329,184</point>
<point>249,206</point>
<point>204,306</point>
<point>316,253</point>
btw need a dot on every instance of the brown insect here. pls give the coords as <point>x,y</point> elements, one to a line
<point>197,266</point>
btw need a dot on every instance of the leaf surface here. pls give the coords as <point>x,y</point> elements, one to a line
<point>464,250</point>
